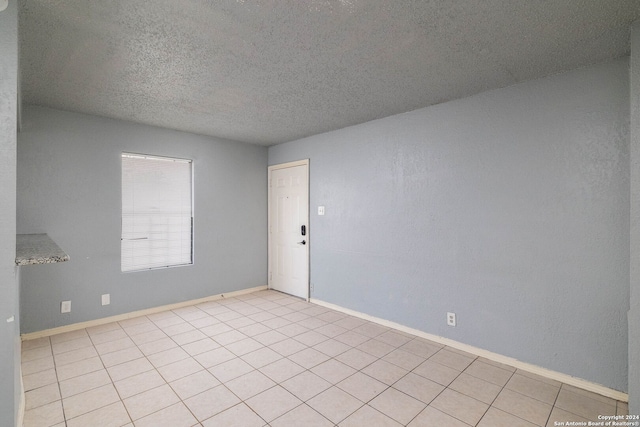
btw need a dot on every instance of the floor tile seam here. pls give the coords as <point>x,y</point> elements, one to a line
<point>578,394</point>
<point>302,404</point>
<point>511,374</point>
<point>416,398</point>
<point>402,367</point>
<point>97,409</point>
<point>521,394</point>
<point>418,414</point>
<point>48,403</point>
<point>532,397</point>
<point>347,416</point>
<point>364,367</point>
<point>22,349</point>
<point>180,400</point>
<point>310,346</point>
<point>142,333</point>
<point>442,412</point>
<point>242,402</point>
<point>130,319</point>
<point>131,335</point>
<point>196,309</point>
<point>446,387</point>
<point>618,408</point>
<point>74,337</point>
<point>84,391</point>
<point>54,354</point>
<point>583,393</point>
<point>107,342</point>
<point>94,409</point>
<point>387,415</point>
<point>99,328</point>
<point>435,361</point>
<point>444,348</point>
<point>154,368</point>
<point>503,387</point>
<point>517,416</point>
<point>540,381</point>
<point>56,366</point>
<point>478,359</point>
<point>36,359</point>
<point>333,357</point>
<point>375,355</point>
<point>181,345</point>
<point>148,415</point>
<point>479,419</point>
<point>388,385</point>
<point>37,372</point>
<point>350,394</point>
<point>254,395</point>
<point>160,319</point>
<point>263,391</point>
<point>179,397</point>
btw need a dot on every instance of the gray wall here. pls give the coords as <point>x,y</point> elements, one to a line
<point>634,312</point>
<point>69,177</point>
<point>509,208</point>
<point>9,332</point>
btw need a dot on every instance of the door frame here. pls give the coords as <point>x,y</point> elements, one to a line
<point>270,169</point>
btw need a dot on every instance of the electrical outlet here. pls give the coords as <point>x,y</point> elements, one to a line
<point>451,319</point>
<point>106,299</point>
<point>320,210</point>
<point>65,307</point>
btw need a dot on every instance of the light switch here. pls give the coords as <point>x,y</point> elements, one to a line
<point>320,210</point>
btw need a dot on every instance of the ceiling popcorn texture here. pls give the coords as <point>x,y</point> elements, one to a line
<point>267,72</point>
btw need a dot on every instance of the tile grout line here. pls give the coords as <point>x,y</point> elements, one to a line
<point>238,306</point>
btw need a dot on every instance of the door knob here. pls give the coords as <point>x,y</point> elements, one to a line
<point>302,243</point>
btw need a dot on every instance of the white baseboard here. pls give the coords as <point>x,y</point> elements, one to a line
<point>547,373</point>
<point>22,404</point>
<point>125,316</point>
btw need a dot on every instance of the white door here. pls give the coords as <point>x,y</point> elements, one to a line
<point>289,228</point>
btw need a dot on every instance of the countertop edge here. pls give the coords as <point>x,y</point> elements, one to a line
<point>33,249</point>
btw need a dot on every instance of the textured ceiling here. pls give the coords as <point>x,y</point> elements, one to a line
<point>270,71</point>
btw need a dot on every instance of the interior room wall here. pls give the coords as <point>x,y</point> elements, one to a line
<point>10,390</point>
<point>69,186</point>
<point>509,208</point>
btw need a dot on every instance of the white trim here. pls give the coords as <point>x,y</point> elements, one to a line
<point>547,373</point>
<point>145,312</point>
<point>289,164</point>
<point>303,162</point>
<point>22,404</point>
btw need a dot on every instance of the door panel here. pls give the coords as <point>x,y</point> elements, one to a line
<point>288,212</point>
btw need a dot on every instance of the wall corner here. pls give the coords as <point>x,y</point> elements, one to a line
<point>634,231</point>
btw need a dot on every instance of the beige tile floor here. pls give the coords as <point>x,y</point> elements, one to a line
<point>268,359</point>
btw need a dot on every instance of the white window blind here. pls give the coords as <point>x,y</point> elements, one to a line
<point>157,214</point>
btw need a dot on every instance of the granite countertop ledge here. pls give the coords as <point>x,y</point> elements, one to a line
<point>34,249</point>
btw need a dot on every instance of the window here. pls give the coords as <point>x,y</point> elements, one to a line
<point>157,214</point>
